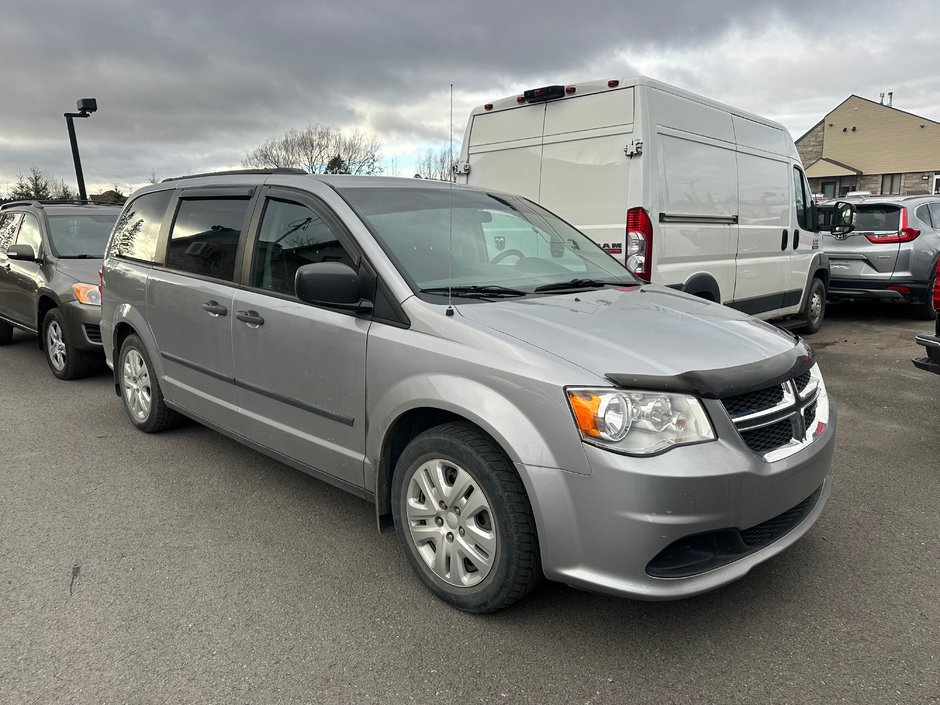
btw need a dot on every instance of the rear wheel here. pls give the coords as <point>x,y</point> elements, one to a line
<point>924,310</point>
<point>464,519</point>
<point>140,390</point>
<point>815,307</point>
<point>64,360</point>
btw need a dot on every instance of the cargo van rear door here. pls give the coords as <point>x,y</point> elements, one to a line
<point>505,150</point>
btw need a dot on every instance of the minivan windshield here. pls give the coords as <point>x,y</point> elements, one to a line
<point>479,244</point>
<point>81,235</point>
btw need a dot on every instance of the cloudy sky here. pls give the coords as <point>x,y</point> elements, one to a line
<point>192,86</point>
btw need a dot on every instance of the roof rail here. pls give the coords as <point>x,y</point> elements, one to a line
<point>56,202</point>
<point>280,170</point>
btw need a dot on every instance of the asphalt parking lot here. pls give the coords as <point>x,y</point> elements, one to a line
<point>184,568</point>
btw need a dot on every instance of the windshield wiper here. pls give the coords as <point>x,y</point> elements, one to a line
<point>578,284</point>
<point>475,290</point>
<point>81,256</point>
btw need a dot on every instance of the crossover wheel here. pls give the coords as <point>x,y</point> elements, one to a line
<point>64,360</point>
<point>924,310</point>
<point>140,390</point>
<point>815,307</point>
<point>464,519</point>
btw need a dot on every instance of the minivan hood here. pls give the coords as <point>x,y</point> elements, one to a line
<point>82,270</point>
<point>637,331</point>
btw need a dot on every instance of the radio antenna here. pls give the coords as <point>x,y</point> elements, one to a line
<point>450,232</point>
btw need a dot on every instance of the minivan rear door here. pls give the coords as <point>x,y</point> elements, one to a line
<point>858,255</point>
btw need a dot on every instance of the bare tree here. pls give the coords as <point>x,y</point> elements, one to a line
<point>437,164</point>
<point>40,186</point>
<point>318,149</point>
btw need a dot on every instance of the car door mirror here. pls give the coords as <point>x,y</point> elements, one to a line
<point>837,218</point>
<point>330,284</point>
<point>23,253</point>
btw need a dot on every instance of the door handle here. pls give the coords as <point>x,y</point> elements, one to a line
<point>796,239</point>
<point>784,239</point>
<point>214,309</point>
<point>252,318</point>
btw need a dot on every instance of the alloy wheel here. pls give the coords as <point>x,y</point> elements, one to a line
<point>55,345</point>
<point>136,384</point>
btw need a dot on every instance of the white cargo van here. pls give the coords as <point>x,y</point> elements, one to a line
<point>688,192</point>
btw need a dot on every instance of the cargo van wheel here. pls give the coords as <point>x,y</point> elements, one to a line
<point>464,520</point>
<point>815,309</point>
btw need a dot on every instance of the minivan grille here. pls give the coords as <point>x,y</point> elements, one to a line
<point>775,416</point>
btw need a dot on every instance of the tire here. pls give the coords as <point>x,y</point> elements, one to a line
<point>455,494</point>
<point>64,360</point>
<point>6,333</point>
<point>924,310</point>
<point>815,310</point>
<point>140,391</point>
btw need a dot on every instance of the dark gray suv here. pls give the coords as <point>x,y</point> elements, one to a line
<point>50,252</point>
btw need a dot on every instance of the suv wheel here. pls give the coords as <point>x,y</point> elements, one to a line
<point>6,333</point>
<point>464,520</point>
<point>815,307</point>
<point>140,390</point>
<point>64,360</point>
<point>924,310</point>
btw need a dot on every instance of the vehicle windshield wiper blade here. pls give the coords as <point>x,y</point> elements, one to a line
<point>577,284</point>
<point>475,290</point>
<point>81,256</point>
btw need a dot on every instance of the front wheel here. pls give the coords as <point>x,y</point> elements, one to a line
<point>140,390</point>
<point>64,360</point>
<point>815,307</point>
<point>464,519</point>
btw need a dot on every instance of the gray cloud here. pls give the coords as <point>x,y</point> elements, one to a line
<point>186,86</point>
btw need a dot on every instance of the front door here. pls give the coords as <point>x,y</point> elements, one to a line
<point>300,369</point>
<point>22,279</point>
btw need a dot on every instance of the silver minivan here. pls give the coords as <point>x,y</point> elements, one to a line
<point>504,392</point>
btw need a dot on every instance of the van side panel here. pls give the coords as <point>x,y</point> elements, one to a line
<point>763,249</point>
<point>697,185</point>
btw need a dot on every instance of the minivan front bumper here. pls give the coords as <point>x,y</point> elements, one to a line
<point>601,531</point>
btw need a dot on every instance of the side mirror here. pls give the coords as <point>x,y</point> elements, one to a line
<point>23,253</point>
<point>330,284</point>
<point>837,218</point>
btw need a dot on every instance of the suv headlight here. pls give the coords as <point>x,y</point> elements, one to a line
<point>87,294</point>
<point>637,422</point>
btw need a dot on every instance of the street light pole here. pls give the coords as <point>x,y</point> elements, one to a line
<point>85,106</point>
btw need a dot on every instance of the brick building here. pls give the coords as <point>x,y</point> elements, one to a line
<point>867,146</point>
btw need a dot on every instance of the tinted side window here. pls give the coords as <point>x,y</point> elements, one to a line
<point>204,237</point>
<point>935,214</point>
<point>8,223</point>
<point>30,234</point>
<point>924,214</point>
<point>136,232</point>
<point>802,215</point>
<point>291,236</point>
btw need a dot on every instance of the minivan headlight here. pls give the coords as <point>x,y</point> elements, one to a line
<point>638,422</point>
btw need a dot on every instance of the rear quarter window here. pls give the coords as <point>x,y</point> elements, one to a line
<point>138,228</point>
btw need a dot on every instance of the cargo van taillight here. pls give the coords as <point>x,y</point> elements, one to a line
<point>639,256</point>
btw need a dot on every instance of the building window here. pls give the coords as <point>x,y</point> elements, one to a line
<point>829,189</point>
<point>891,183</point>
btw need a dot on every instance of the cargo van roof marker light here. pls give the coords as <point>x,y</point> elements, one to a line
<point>520,99</point>
<point>613,83</point>
<point>488,106</point>
<point>570,89</point>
